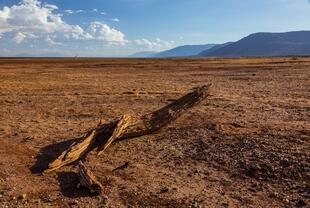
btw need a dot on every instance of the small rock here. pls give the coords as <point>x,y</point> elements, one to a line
<point>163,190</point>
<point>195,205</point>
<point>252,169</point>
<point>285,163</point>
<point>300,203</point>
<point>74,202</point>
<point>23,196</point>
<point>37,201</point>
<point>103,200</point>
<point>224,204</point>
<point>252,189</point>
<point>273,195</point>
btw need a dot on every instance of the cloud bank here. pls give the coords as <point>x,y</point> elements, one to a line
<point>33,20</point>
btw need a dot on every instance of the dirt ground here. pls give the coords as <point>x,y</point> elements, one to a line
<point>248,145</point>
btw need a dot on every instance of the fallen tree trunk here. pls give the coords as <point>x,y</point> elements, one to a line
<point>128,127</point>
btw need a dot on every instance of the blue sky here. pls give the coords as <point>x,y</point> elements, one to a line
<point>122,27</point>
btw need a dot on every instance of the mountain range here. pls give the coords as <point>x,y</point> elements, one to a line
<point>183,51</point>
<point>255,45</point>
<point>267,44</point>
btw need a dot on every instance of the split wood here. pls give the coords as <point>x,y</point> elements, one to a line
<point>88,180</point>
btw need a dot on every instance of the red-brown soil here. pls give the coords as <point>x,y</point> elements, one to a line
<point>248,145</point>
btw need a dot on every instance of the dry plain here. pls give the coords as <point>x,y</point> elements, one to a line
<point>247,145</point>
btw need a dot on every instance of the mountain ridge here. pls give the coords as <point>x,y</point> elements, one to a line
<point>296,43</point>
<point>184,50</point>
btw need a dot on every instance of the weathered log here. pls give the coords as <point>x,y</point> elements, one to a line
<point>76,150</point>
<point>129,127</point>
<point>88,180</point>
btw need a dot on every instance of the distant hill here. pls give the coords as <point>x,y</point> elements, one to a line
<point>183,51</point>
<point>211,50</point>
<point>267,44</point>
<point>39,55</point>
<point>143,54</point>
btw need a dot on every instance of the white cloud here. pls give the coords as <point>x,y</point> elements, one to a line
<point>19,37</point>
<point>69,11</point>
<point>115,20</point>
<point>51,41</point>
<point>31,16</point>
<point>38,24</point>
<point>156,44</point>
<point>102,31</point>
<point>51,6</point>
<point>97,11</point>
<point>32,19</point>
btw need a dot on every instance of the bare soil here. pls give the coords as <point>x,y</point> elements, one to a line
<point>248,145</point>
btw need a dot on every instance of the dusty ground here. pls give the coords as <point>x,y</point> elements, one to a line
<point>246,146</point>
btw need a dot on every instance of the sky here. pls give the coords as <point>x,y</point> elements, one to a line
<point>108,28</point>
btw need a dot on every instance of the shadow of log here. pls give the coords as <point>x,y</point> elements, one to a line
<point>68,182</point>
<point>49,153</point>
